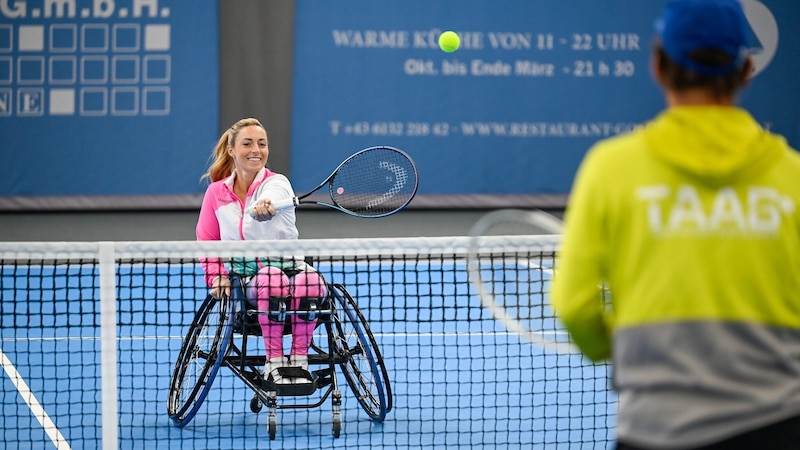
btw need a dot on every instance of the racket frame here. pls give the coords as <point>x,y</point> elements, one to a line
<point>301,200</point>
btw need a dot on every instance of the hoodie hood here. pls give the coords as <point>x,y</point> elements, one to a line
<point>716,143</point>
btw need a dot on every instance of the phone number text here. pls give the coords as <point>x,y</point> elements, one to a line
<point>390,128</point>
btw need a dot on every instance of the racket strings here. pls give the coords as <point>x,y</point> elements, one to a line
<point>376,182</point>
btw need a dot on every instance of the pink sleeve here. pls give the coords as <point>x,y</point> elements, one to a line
<point>208,230</point>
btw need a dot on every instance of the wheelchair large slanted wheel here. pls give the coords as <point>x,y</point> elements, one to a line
<point>204,348</point>
<point>363,366</point>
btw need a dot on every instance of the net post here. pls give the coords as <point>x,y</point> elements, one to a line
<point>108,344</point>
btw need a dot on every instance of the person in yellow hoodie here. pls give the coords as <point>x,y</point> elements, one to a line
<point>692,223</point>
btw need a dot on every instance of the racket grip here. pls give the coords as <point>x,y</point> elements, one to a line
<point>278,205</point>
<point>285,203</point>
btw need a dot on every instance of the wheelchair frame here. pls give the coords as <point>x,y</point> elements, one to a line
<point>210,344</point>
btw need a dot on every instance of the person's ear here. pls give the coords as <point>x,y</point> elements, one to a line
<point>656,66</point>
<point>749,68</point>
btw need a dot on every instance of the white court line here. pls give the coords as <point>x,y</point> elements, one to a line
<point>456,333</point>
<point>388,335</point>
<point>33,404</point>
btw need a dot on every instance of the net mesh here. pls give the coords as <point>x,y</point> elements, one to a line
<point>91,333</point>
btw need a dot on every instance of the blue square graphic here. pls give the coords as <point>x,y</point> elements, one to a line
<point>126,38</point>
<point>125,69</point>
<point>125,101</point>
<point>62,70</point>
<point>63,38</point>
<point>94,70</point>
<point>156,101</point>
<point>157,69</point>
<point>31,70</point>
<point>93,101</point>
<point>5,38</point>
<point>6,68</point>
<point>95,38</point>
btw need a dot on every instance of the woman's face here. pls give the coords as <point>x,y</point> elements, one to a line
<point>250,150</point>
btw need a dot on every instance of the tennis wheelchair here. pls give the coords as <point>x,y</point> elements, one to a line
<point>218,337</point>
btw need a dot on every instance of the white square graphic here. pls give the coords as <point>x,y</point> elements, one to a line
<point>156,37</point>
<point>31,38</point>
<point>62,102</point>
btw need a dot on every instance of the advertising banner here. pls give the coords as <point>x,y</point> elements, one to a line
<point>512,111</point>
<point>106,101</point>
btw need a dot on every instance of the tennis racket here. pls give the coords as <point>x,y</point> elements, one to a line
<point>516,289</point>
<point>374,182</point>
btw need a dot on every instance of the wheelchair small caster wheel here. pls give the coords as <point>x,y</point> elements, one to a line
<point>337,425</point>
<point>255,404</point>
<point>337,413</point>
<point>272,426</point>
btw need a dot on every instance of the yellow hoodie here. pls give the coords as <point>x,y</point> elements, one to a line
<point>693,224</point>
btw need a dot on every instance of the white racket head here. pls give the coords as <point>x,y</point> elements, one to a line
<point>522,306</point>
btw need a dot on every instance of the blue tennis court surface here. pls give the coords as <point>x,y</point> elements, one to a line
<point>459,378</point>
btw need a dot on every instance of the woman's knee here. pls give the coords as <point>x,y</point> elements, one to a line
<point>308,290</point>
<point>308,284</point>
<point>268,283</point>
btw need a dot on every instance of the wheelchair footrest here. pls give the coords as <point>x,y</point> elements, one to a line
<point>295,373</point>
<point>302,382</point>
<point>294,390</point>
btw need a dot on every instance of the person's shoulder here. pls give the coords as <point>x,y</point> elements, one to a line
<point>780,141</point>
<point>622,145</point>
<point>273,180</point>
<point>216,185</point>
<point>777,145</point>
<point>791,158</point>
<point>274,177</point>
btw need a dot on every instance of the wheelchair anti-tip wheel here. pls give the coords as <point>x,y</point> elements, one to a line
<point>256,404</point>
<point>202,352</point>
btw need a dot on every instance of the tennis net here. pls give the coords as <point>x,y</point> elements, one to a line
<point>90,334</point>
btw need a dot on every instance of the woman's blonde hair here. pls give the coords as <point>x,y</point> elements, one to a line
<point>223,162</point>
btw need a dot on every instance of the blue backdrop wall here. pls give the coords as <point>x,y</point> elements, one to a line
<point>105,104</point>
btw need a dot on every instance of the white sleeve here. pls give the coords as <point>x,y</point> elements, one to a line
<point>282,226</point>
<point>276,187</point>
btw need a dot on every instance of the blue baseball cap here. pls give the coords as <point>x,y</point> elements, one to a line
<point>689,25</point>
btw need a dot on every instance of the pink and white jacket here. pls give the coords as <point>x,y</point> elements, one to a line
<point>223,217</point>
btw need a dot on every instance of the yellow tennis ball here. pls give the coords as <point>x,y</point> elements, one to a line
<point>449,41</point>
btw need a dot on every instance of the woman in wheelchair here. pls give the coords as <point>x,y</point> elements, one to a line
<point>240,180</point>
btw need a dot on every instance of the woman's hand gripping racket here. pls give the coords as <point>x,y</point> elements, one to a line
<point>516,288</point>
<point>374,182</point>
